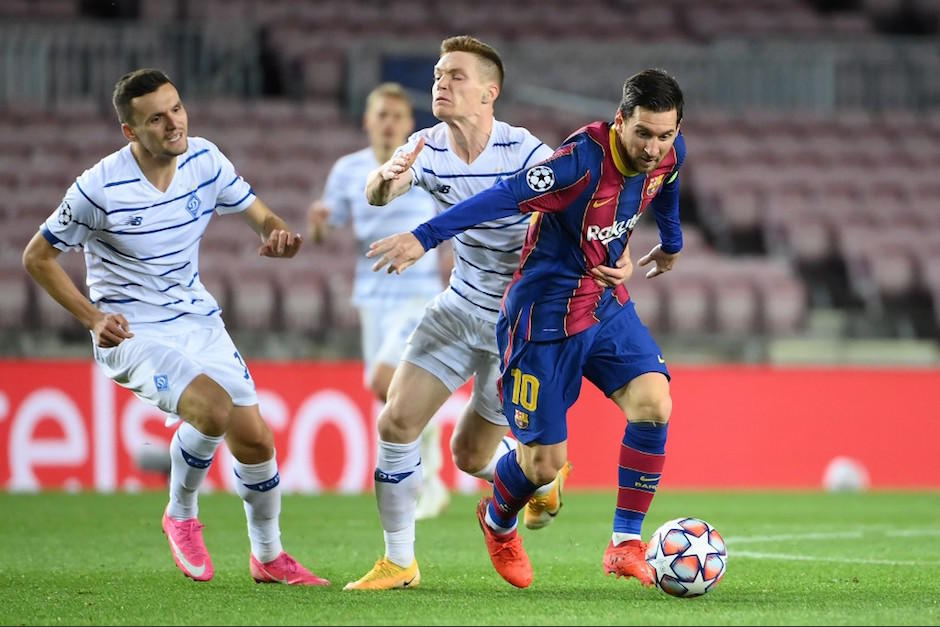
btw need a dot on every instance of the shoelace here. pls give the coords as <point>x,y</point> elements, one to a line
<point>191,528</point>
<point>510,548</point>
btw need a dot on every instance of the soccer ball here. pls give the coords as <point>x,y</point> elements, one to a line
<point>688,557</point>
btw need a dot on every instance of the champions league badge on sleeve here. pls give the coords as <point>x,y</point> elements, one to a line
<point>65,213</point>
<point>540,178</point>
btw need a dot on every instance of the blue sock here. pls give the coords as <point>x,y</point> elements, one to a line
<point>642,455</point>
<point>511,491</point>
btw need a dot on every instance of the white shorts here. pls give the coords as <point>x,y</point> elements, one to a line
<point>455,345</point>
<point>158,368</point>
<point>385,331</point>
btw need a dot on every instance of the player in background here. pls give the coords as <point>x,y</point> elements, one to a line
<point>389,310</point>
<point>467,152</point>
<point>556,324</point>
<point>139,214</point>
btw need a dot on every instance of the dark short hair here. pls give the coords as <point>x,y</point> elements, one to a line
<point>651,89</point>
<point>487,55</point>
<point>132,85</point>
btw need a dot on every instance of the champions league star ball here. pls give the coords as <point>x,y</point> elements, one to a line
<point>688,557</point>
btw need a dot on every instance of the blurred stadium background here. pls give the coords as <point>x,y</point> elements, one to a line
<point>811,202</point>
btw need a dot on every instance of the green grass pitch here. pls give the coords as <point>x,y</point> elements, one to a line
<point>794,558</point>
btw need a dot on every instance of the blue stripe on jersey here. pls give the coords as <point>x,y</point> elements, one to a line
<point>526,162</point>
<point>52,239</point>
<point>504,144</point>
<point>168,288</point>
<point>124,182</point>
<point>88,198</point>
<point>123,254</point>
<point>501,226</point>
<point>174,302</point>
<point>165,202</point>
<point>130,285</point>
<point>476,289</point>
<point>192,156</point>
<point>457,292</point>
<point>115,300</point>
<point>434,148</point>
<point>239,201</point>
<point>174,269</point>
<point>192,280</point>
<point>234,180</point>
<point>165,228</point>
<point>495,250</point>
<point>185,313</point>
<point>479,268</point>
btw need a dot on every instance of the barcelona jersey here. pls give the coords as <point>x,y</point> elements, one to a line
<point>585,203</point>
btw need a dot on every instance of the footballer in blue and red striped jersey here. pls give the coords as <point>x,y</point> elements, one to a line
<point>560,321</point>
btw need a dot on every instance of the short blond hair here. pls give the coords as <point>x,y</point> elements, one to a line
<point>388,90</point>
<point>490,61</point>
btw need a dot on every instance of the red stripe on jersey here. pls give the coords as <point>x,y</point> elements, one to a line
<point>558,200</point>
<point>600,212</point>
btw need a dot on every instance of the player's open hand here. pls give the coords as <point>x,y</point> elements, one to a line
<point>280,243</point>
<point>661,260</point>
<point>110,330</point>
<point>607,276</point>
<point>399,163</point>
<point>396,252</point>
<point>317,216</point>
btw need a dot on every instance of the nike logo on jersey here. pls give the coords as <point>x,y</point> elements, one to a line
<point>601,203</point>
<point>660,358</point>
<point>195,571</point>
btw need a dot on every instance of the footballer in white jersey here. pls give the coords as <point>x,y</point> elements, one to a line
<point>139,215</point>
<point>469,151</point>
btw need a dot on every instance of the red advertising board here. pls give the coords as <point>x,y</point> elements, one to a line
<point>64,425</point>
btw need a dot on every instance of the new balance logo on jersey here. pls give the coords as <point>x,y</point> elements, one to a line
<point>135,220</point>
<point>607,234</point>
<point>443,189</point>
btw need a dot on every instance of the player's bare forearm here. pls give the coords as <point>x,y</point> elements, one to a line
<point>40,261</point>
<point>380,192</point>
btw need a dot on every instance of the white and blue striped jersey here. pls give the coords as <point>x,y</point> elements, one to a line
<point>486,256</point>
<point>345,196</point>
<point>142,245</point>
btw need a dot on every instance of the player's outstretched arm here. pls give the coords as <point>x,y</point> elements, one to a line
<point>41,262</point>
<point>277,238</point>
<point>661,260</point>
<point>393,178</point>
<point>396,252</point>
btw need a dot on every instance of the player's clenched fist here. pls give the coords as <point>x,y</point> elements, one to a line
<point>397,251</point>
<point>110,330</point>
<point>399,163</point>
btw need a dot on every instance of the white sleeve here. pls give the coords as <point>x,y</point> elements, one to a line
<point>336,196</point>
<point>534,150</point>
<point>79,215</point>
<point>234,193</point>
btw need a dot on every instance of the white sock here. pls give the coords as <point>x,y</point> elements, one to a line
<point>497,529</point>
<point>506,445</point>
<point>191,454</point>
<point>259,485</point>
<point>397,481</point>
<point>619,537</point>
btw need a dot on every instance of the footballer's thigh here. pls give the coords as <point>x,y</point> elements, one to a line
<point>482,425</point>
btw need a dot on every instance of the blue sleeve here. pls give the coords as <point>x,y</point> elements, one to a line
<point>547,187</point>
<point>666,205</point>
<point>490,204</point>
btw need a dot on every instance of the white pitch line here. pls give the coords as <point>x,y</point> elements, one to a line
<point>853,534</point>
<point>837,560</point>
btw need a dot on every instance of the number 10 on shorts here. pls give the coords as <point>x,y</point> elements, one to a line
<point>525,390</point>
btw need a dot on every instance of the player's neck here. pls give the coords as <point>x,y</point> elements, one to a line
<point>470,135</point>
<point>159,171</point>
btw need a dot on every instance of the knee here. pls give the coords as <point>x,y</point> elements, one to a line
<point>216,416</point>
<point>653,407</point>
<point>467,454</point>
<point>396,425</point>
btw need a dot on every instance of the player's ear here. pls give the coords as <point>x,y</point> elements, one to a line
<point>491,93</point>
<point>129,133</point>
